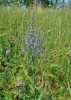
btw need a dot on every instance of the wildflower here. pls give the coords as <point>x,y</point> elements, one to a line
<point>19,84</point>
<point>8,52</point>
<point>31,29</point>
<point>39,50</point>
<point>32,45</point>
<point>35,42</point>
<point>29,42</point>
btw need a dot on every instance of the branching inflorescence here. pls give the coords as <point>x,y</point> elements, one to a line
<point>33,42</point>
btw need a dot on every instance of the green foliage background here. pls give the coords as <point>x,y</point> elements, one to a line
<point>53,75</point>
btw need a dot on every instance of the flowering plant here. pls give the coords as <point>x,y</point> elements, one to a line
<point>33,43</point>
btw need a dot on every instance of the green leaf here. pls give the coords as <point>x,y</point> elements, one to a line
<point>42,94</point>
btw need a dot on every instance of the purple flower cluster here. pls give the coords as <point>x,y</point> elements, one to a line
<point>19,84</point>
<point>33,44</point>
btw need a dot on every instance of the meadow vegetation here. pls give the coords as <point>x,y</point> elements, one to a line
<point>49,77</point>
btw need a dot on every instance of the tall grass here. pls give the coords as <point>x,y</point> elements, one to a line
<point>52,73</point>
